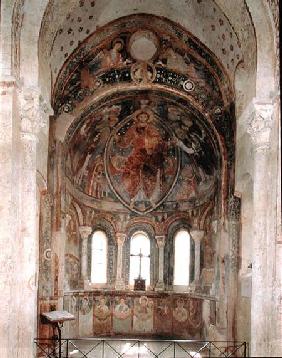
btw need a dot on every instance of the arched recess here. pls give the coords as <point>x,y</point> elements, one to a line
<point>169,254</point>
<point>150,233</point>
<point>105,226</point>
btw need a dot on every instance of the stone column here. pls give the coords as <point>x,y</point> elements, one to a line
<point>120,285</point>
<point>197,236</point>
<point>260,130</point>
<point>161,244</point>
<point>234,211</point>
<point>85,232</point>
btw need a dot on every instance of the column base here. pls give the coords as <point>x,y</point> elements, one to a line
<point>195,286</point>
<point>120,285</point>
<point>160,286</point>
<point>86,284</point>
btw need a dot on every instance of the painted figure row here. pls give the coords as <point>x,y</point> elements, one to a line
<point>104,315</point>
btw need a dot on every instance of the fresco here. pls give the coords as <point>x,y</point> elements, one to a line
<point>71,304</point>
<point>143,315</point>
<point>141,161</point>
<point>180,316</point>
<point>133,314</point>
<point>72,271</point>
<point>143,151</point>
<point>85,305</point>
<point>111,56</point>
<point>122,315</point>
<point>163,316</point>
<point>102,316</point>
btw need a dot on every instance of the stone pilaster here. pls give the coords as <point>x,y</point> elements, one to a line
<point>29,119</point>
<point>161,243</point>
<point>197,236</point>
<point>85,232</point>
<point>260,129</point>
<point>120,285</point>
<point>9,228</point>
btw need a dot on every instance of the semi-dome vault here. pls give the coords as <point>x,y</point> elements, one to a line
<point>154,118</point>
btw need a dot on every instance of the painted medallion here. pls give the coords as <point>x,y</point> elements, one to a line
<point>141,161</point>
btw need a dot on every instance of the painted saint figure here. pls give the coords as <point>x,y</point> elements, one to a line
<point>142,159</point>
<point>102,317</point>
<point>180,313</point>
<point>122,317</point>
<point>163,316</point>
<point>143,315</point>
<point>85,305</point>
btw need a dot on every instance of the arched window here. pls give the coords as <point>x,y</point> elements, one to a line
<point>181,258</point>
<point>99,257</point>
<point>139,257</point>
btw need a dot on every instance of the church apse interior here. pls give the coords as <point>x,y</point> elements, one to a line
<point>149,186</point>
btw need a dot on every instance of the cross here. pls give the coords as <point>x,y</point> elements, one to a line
<point>140,258</point>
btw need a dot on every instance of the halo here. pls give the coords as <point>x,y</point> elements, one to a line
<point>142,111</point>
<point>118,39</point>
<point>142,298</point>
<point>180,300</point>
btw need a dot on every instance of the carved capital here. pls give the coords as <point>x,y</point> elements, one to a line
<point>260,125</point>
<point>197,235</point>
<point>85,231</point>
<point>160,241</point>
<point>120,236</point>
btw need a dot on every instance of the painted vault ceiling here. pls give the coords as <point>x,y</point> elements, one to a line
<point>154,118</point>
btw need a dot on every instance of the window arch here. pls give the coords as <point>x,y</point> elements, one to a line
<point>140,249</point>
<point>182,254</point>
<point>174,229</point>
<point>99,247</point>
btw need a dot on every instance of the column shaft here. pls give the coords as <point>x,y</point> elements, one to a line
<point>260,130</point>
<point>161,243</point>
<point>197,236</point>
<point>85,232</point>
<point>120,285</point>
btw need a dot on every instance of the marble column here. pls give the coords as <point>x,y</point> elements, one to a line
<point>120,285</point>
<point>161,243</point>
<point>197,236</point>
<point>85,232</point>
<point>260,130</point>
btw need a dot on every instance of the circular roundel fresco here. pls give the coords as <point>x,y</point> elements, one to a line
<point>141,161</point>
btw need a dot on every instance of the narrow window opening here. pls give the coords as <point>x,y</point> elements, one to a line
<point>99,258</point>
<point>139,258</point>
<point>181,258</point>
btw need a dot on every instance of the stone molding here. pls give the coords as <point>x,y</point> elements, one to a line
<point>260,125</point>
<point>85,231</point>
